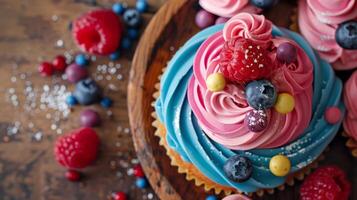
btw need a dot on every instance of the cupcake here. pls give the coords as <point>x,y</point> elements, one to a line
<point>241,107</point>
<point>350,121</point>
<point>331,29</point>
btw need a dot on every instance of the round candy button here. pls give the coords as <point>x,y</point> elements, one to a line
<point>216,82</point>
<point>279,165</point>
<point>333,115</point>
<point>285,103</point>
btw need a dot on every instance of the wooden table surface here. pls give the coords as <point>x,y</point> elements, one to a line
<point>30,31</point>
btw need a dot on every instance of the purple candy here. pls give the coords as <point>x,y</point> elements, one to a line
<point>89,118</point>
<point>204,19</point>
<point>286,52</point>
<point>256,120</point>
<point>75,73</point>
<point>221,20</point>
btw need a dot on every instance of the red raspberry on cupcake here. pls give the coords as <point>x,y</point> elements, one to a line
<point>242,60</point>
<point>326,183</point>
<point>98,32</point>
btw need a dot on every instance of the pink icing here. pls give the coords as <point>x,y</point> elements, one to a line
<point>221,114</point>
<point>228,8</point>
<point>236,197</point>
<point>318,21</point>
<point>350,97</point>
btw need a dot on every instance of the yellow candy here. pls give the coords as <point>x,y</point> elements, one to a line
<point>216,82</point>
<point>279,165</point>
<point>285,103</point>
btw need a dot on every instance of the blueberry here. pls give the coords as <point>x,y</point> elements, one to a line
<point>71,100</point>
<point>132,17</point>
<point>106,102</point>
<point>211,197</point>
<point>81,60</point>
<point>141,183</point>
<point>118,8</point>
<point>264,4</point>
<point>133,33</point>
<point>87,92</point>
<point>261,94</point>
<point>141,5</point>
<point>114,56</point>
<point>238,168</point>
<point>346,35</point>
<point>286,52</point>
<point>125,43</point>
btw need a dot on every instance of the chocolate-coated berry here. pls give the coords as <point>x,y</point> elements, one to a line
<point>89,118</point>
<point>59,63</point>
<point>75,73</point>
<point>132,17</point>
<point>264,4</point>
<point>204,19</point>
<point>346,35</point>
<point>261,94</point>
<point>119,196</point>
<point>114,56</point>
<point>87,92</point>
<point>256,120</point>
<point>141,183</point>
<point>238,168</point>
<point>73,175</point>
<point>45,69</point>
<point>286,53</point>
<point>138,171</point>
<point>118,8</point>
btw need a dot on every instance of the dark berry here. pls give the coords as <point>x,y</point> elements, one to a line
<point>256,120</point>
<point>132,17</point>
<point>238,168</point>
<point>346,35</point>
<point>264,4</point>
<point>73,175</point>
<point>87,92</point>
<point>286,53</point>
<point>261,94</point>
<point>75,73</point>
<point>89,118</point>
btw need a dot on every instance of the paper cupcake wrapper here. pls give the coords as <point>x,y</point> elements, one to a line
<point>194,174</point>
<point>351,144</point>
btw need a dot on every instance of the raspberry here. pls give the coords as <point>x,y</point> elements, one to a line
<point>326,183</point>
<point>78,149</point>
<point>242,60</point>
<point>98,32</point>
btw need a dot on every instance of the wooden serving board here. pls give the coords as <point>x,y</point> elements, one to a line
<point>169,29</point>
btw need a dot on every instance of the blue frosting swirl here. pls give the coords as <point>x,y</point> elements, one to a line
<point>185,136</point>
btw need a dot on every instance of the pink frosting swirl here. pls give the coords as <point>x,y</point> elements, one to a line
<point>318,21</point>
<point>228,8</point>
<point>221,114</point>
<point>349,97</point>
<point>236,197</point>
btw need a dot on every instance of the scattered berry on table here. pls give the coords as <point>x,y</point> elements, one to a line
<point>119,196</point>
<point>46,69</point>
<point>114,56</point>
<point>256,120</point>
<point>138,171</point>
<point>87,92</point>
<point>286,53</point>
<point>118,8</point>
<point>78,149</point>
<point>261,94</point>
<point>75,73</point>
<point>141,183</point>
<point>59,63</point>
<point>132,18</point>
<point>98,32</point>
<point>242,60</point>
<point>238,168</point>
<point>264,4</point>
<point>89,118</point>
<point>73,175</point>
<point>346,35</point>
<point>71,100</point>
<point>81,60</point>
<point>328,182</point>
<point>106,102</point>
<point>141,5</point>
<point>125,43</point>
<point>133,33</point>
<point>204,19</point>
<point>211,197</point>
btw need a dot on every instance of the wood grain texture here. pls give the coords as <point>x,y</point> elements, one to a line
<point>169,29</point>
<point>28,169</point>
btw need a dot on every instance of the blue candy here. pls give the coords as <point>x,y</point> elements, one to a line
<point>264,4</point>
<point>141,183</point>
<point>125,43</point>
<point>81,60</point>
<point>132,17</point>
<point>87,92</point>
<point>211,197</point>
<point>133,33</point>
<point>141,5</point>
<point>118,8</point>
<point>114,56</point>
<point>106,102</point>
<point>261,94</point>
<point>71,100</point>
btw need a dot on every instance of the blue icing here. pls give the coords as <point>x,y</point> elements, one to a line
<point>186,137</point>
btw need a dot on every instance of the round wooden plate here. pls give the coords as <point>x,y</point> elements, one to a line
<point>168,30</point>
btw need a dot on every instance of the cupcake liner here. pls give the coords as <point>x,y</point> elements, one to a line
<point>351,144</point>
<point>194,174</point>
